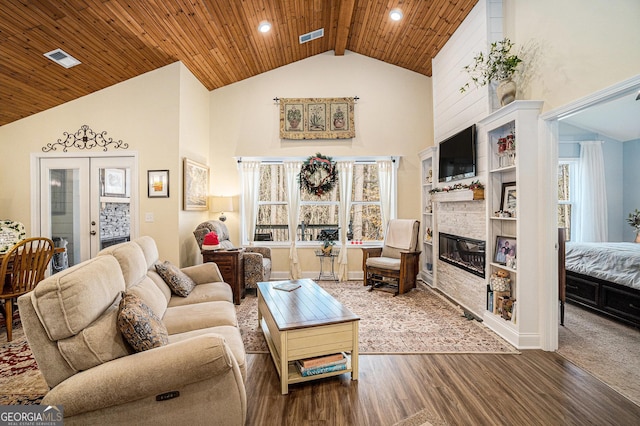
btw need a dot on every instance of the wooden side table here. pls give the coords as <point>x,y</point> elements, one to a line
<point>231,265</point>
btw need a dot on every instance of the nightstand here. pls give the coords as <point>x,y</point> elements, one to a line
<point>231,265</point>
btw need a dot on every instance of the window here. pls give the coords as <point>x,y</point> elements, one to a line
<point>273,210</point>
<point>566,195</point>
<point>319,214</point>
<point>366,218</point>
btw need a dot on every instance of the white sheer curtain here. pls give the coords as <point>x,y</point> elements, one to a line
<point>292,170</point>
<point>345,181</point>
<point>250,173</point>
<point>591,200</point>
<point>385,175</point>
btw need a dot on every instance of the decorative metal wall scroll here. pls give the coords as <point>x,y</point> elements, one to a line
<point>316,118</point>
<point>85,138</point>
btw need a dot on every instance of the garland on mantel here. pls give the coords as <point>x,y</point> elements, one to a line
<point>318,175</point>
<point>458,186</point>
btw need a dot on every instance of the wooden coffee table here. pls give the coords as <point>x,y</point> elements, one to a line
<point>304,323</point>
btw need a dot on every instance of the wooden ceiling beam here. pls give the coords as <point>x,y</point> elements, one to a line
<point>344,25</point>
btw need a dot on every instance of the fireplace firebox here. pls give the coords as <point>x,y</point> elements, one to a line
<point>465,253</point>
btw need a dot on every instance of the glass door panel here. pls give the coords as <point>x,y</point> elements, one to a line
<point>112,200</point>
<point>64,218</point>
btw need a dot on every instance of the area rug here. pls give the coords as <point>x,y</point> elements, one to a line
<point>605,348</point>
<point>418,322</point>
<point>20,380</point>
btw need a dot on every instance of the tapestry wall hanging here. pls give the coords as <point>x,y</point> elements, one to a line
<point>317,118</point>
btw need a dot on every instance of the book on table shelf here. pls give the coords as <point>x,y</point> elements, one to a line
<point>328,368</point>
<point>287,286</point>
<point>322,360</point>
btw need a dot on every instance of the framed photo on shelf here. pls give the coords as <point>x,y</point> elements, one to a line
<point>509,199</point>
<point>196,185</point>
<point>505,250</point>
<point>115,184</point>
<point>158,183</point>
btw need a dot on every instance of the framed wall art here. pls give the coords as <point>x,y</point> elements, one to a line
<point>115,184</point>
<point>317,118</point>
<point>196,185</point>
<point>158,183</point>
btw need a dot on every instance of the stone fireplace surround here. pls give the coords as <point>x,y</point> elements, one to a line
<point>465,219</point>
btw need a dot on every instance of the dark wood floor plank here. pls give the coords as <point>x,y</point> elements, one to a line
<point>534,388</point>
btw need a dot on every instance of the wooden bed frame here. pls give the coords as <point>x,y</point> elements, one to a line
<point>605,297</point>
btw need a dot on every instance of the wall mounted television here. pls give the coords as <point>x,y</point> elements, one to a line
<point>457,156</point>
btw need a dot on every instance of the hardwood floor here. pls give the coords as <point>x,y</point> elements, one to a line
<point>534,388</point>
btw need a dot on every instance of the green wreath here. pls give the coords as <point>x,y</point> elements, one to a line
<point>318,175</point>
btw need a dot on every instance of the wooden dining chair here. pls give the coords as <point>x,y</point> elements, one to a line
<point>23,267</point>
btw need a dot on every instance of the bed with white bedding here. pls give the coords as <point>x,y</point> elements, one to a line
<point>605,277</point>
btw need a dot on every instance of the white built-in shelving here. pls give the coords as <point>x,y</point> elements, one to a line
<point>428,174</point>
<point>512,174</point>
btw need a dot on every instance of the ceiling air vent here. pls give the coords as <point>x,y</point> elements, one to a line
<point>61,57</point>
<point>312,35</point>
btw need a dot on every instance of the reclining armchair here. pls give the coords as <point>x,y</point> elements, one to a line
<point>257,260</point>
<point>395,264</point>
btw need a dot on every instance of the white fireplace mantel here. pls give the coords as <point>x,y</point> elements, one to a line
<point>458,195</point>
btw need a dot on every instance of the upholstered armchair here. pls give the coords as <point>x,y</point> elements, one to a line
<point>257,260</point>
<point>395,264</point>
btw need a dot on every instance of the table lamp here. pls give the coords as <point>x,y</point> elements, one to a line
<point>221,204</point>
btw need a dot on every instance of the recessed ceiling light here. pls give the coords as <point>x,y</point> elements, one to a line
<point>264,26</point>
<point>395,14</point>
<point>61,57</point>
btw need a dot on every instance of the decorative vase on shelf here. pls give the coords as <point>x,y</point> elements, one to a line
<point>506,91</point>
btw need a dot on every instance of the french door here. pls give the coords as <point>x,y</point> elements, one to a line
<point>86,204</point>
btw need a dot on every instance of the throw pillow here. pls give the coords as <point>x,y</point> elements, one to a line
<point>141,328</point>
<point>178,281</point>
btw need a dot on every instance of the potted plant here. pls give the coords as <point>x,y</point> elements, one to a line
<point>498,65</point>
<point>634,220</point>
<point>328,242</point>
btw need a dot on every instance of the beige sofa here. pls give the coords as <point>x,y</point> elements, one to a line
<point>70,321</point>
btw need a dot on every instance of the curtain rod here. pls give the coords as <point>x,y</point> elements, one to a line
<point>363,159</point>
<point>277,99</point>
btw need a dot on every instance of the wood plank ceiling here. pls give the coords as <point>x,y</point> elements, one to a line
<point>217,40</point>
